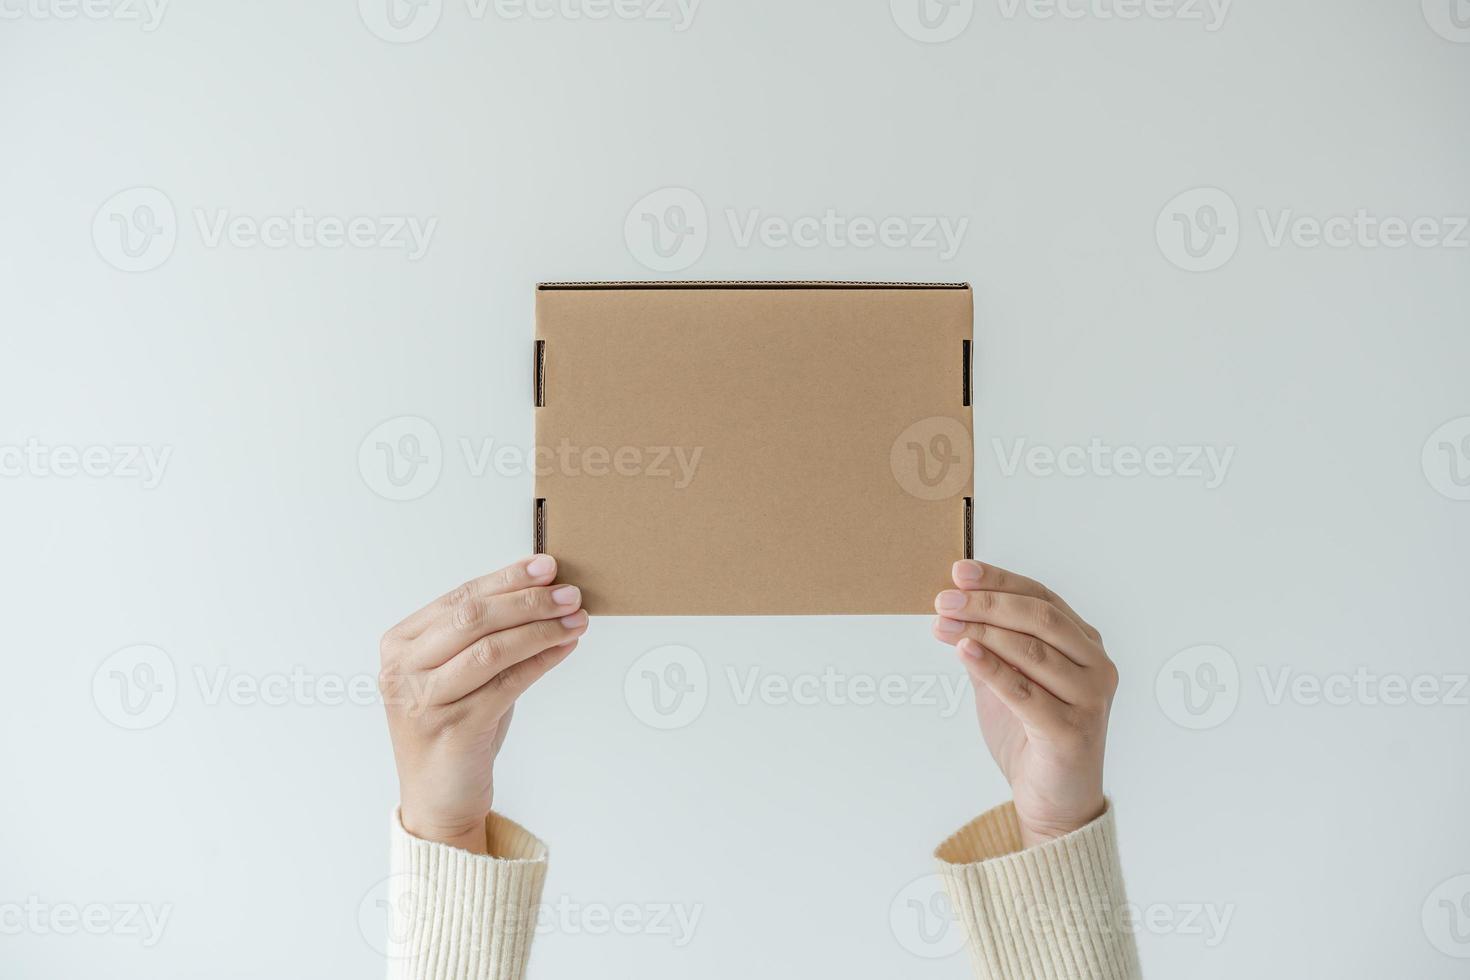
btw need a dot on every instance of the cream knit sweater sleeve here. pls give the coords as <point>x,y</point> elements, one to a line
<point>1053,912</point>
<point>454,915</point>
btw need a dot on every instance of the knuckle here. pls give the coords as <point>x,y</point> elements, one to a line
<point>531,599</point>
<point>1049,617</point>
<point>388,646</point>
<point>1020,688</point>
<point>488,652</point>
<point>389,680</point>
<point>467,613</point>
<point>503,680</point>
<point>1034,652</point>
<point>984,601</point>
<point>1109,674</point>
<point>505,578</point>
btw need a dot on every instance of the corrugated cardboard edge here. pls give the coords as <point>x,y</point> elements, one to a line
<point>750,284</point>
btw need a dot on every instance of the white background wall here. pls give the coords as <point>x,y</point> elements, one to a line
<point>1330,836</point>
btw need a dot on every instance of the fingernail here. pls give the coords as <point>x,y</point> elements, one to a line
<point>540,566</point>
<point>576,620</point>
<point>968,572</point>
<point>969,648</point>
<point>951,600</point>
<point>567,595</point>
<point>948,627</point>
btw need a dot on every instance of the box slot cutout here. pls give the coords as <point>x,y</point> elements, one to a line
<point>540,369</point>
<point>539,534</point>
<point>965,371</point>
<point>969,527</point>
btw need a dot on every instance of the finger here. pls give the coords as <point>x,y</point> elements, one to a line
<point>1023,614</point>
<point>1038,660</point>
<point>505,687</point>
<point>476,617</point>
<point>971,575</point>
<point>536,570</point>
<point>479,663</point>
<point>1031,704</point>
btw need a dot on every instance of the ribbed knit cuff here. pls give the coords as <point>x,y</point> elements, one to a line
<point>1052,912</point>
<point>464,916</point>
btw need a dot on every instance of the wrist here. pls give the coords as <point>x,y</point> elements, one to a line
<point>1042,830</point>
<point>464,835</point>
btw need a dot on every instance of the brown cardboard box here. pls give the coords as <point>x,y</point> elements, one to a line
<point>754,448</point>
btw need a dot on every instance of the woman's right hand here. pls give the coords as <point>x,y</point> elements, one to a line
<point>450,676</point>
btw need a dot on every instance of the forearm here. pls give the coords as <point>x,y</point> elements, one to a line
<point>458,915</point>
<point>1057,911</point>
